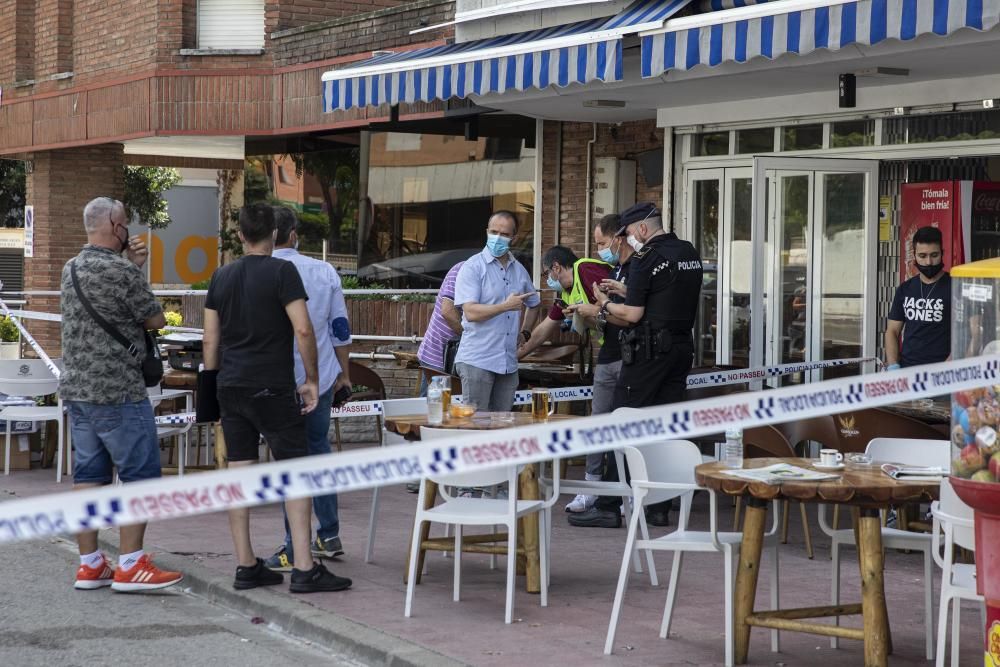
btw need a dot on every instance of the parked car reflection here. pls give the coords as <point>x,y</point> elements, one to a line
<point>425,270</point>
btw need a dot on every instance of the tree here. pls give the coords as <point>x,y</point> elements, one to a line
<point>13,186</point>
<point>144,188</point>
<point>338,174</point>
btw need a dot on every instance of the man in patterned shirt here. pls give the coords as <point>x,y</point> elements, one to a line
<point>111,419</point>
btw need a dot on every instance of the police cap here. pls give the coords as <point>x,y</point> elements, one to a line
<point>637,213</point>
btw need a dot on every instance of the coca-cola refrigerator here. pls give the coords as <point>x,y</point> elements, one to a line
<point>985,220</point>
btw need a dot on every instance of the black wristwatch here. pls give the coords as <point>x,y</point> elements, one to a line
<point>526,334</point>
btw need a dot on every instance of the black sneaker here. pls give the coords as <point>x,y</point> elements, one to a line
<point>317,580</point>
<point>328,548</point>
<point>596,518</point>
<point>258,575</point>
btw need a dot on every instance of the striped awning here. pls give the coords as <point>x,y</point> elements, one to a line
<point>574,53</point>
<point>784,29</point>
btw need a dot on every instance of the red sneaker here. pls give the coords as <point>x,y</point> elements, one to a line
<point>144,576</point>
<point>88,578</point>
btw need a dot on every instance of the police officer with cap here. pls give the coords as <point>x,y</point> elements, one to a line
<point>663,288</point>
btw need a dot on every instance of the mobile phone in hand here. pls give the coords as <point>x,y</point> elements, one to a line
<point>559,303</point>
<point>341,396</point>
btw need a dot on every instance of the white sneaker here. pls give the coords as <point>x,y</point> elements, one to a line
<point>581,503</point>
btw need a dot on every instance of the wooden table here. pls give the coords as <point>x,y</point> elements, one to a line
<point>867,490</point>
<point>928,411</point>
<point>409,426</point>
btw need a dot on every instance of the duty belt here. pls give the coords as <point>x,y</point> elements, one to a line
<point>643,344</point>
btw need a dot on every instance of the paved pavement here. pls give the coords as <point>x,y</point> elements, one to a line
<point>367,622</point>
<point>44,622</point>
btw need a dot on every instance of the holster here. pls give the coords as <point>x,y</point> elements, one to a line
<point>664,341</point>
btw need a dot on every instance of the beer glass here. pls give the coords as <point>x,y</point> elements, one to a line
<point>540,410</point>
<point>445,383</point>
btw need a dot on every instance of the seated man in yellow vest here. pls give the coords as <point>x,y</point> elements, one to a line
<point>573,281</point>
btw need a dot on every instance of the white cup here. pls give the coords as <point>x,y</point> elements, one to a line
<point>830,457</point>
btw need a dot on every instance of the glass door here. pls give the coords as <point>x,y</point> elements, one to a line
<point>704,188</point>
<point>719,208</point>
<point>819,221</point>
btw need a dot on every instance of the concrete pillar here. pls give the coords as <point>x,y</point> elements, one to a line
<point>60,183</point>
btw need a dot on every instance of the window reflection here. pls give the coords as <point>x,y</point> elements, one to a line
<point>432,196</point>
<point>741,253</point>
<point>843,285</point>
<point>706,225</point>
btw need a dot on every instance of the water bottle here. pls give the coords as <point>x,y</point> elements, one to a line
<point>733,453</point>
<point>435,404</point>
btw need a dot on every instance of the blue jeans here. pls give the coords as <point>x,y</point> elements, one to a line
<point>318,439</point>
<point>121,435</point>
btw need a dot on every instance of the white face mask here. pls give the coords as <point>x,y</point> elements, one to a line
<point>634,242</point>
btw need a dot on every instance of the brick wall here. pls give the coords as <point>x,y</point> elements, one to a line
<point>296,13</point>
<point>361,33</point>
<point>622,141</point>
<point>17,40</point>
<point>59,186</point>
<point>53,37</point>
<point>112,38</point>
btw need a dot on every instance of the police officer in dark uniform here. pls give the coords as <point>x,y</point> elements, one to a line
<point>663,288</point>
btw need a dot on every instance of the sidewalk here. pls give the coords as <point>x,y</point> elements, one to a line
<point>570,631</point>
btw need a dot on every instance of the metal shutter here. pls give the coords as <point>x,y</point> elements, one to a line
<point>230,24</point>
<point>12,269</point>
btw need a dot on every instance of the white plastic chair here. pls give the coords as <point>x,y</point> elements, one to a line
<point>909,452</point>
<point>958,580</point>
<point>391,408</point>
<point>602,488</point>
<point>480,512</point>
<point>663,471</point>
<point>31,378</point>
<point>181,432</point>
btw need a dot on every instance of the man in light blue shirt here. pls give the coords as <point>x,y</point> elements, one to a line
<point>328,314</point>
<point>492,289</point>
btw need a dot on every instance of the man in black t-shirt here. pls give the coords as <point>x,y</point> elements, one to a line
<point>253,308</point>
<point>920,315</point>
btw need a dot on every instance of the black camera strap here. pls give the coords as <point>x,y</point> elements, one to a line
<point>114,333</point>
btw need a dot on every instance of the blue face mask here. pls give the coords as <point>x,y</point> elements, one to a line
<point>497,245</point>
<point>607,256</point>
<point>554,284</point>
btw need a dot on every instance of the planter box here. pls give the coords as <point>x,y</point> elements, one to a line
<point>10,350</point>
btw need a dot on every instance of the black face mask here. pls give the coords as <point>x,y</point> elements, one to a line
<point>930,270</point>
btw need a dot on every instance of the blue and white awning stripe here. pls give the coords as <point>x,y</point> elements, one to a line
<point>833,27</point>
<point>718,5</point>
<point>559,56</point>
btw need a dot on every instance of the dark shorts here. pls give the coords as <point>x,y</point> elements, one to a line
<point>248,413</point>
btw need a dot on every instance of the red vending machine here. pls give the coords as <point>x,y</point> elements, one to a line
<point>966,212</point>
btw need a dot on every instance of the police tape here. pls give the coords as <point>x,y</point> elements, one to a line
<point>561,394</point>
<point>714,378</point>
<point>738,375</point>
<point>358,409</point>
<point>55,370</point>
<point>160,499</point>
